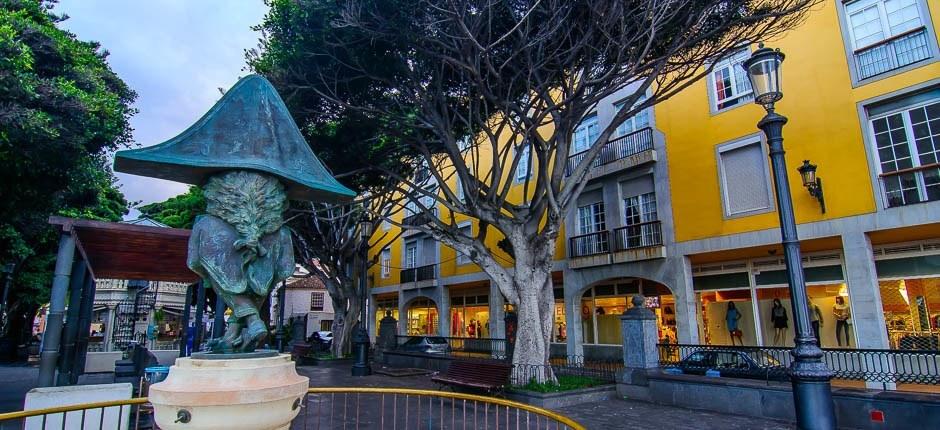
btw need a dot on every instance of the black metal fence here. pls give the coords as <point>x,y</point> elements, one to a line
<point>589,244</point>
<point>423,273</point>
<point>601,372</point>
<point>885,366</point>
<point>616,149</point>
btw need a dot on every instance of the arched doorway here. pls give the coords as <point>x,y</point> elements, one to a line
<point>604,302</point>
<point>422,317</point>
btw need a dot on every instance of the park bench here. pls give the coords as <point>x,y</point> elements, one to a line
<point>488,376</point>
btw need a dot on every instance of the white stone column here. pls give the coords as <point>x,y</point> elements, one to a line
<point>443,311</point>
<point>684,294</point>
<point>497,313</point>
<point>868,320</point>
<point>575,339</point>
<point>109,327</point>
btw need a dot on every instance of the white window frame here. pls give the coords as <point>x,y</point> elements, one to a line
<point>411,254</point>
<point>524,168</point>
<point>732,62</point>
<point>594,226</point>
<point>855,7</point>
<point>911,145</point>
<point>622,129</point>
<point>463,259</point>
<point>459,191</point>
<point>754,139</point>
<point>386,263</point>
<point>590,122</point>
<point>321,295</point>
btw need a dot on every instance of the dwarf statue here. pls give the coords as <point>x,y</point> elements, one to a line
<point>241,249</point>
<point>250,158</point>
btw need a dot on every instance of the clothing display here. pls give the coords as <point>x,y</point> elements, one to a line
<point>778,316</point>
<point>842,313</point>
<point>731,318</point>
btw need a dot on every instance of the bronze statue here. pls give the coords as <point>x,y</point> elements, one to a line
<point>250,158</point>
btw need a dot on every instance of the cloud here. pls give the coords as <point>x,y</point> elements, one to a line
<point>176,54</point>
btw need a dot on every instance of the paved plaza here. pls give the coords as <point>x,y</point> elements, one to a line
<point>321,411</point>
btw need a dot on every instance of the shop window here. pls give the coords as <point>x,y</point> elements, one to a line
<point>907,141</point>
<point>745,178</point>
<point>912,312</point>
<point>316,301</point>
<point>885,35</point>
<point>381,307</point>
<point>559,325</point>
<point>728,81</point>
<point>470,316</point>
<point>601,307</point>
<point>422,318</point>
<point>726,317</point>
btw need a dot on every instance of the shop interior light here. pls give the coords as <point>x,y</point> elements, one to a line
<point>902,289</point>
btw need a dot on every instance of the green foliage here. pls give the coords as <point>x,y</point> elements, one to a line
<point>62,111</point>
<point>178,212</point>
<point>565,383</point>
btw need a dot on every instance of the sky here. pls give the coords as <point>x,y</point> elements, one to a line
<point>175,54</point>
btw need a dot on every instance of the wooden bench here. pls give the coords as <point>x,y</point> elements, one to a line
<point>490,377</point>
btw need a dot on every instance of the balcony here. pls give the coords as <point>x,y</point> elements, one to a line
<point>620,153</point>
<point>592,249</point>
<point>638,242</point>
<point>892,53</point>
<point>419,218</point>
<point>421,277</point>
<point>632,243</point>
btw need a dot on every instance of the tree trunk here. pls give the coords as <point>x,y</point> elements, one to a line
<point>534,315</point>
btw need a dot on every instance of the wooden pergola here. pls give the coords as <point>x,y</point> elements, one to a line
<point>90,250</point>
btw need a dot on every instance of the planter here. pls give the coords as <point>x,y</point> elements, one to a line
<point>563,398</point>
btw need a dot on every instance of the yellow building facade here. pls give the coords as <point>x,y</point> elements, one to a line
<point>681,208</point>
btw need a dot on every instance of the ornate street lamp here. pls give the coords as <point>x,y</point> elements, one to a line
<point>361,335</point>
<point>812,392</point>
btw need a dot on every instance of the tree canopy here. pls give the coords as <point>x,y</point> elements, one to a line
<point>62,112</point>
<point>179,211</point>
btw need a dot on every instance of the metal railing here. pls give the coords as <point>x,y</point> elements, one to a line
<point>616,149</point>
<point>341,407</point>
<point>419,218</point>
<point>892,53</point>
<point>884,366</point>
<point>599,372</point>
<point>477,347</point>
<point>640,235</point>
<point>117,414</point>
<point>902,194</point>
<point>589,244</point>
<point>416,274</point>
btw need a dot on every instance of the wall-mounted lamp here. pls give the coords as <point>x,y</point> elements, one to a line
<point>812,183</point>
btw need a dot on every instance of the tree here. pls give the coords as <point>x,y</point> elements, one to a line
<point>62,110</point>
<point>179,211</point>
<point>477,90</point>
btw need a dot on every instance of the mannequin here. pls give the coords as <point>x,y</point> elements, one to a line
<point>778,316</point>
<point>731,319</point>
<point>816,320</point>
<point>842,313</point>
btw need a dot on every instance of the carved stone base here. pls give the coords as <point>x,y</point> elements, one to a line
<point>233,394</point>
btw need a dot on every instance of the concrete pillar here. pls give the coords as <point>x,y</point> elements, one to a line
<point>868,319</point>
<point>574,337</point>
<point>443,311</point>
<point>684,294</point>
<point>371,311</point>
<point>52,335</point>
<point>109,328</point>
<point>497,313</point>
<point>640,336</point>
<point>402,315</point>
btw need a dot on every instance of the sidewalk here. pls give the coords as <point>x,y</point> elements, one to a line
<point>15,381</point>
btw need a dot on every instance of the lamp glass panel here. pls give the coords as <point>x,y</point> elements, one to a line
<point>765,80</point>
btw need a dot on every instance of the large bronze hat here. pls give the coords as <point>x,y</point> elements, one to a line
<point>249,128</point>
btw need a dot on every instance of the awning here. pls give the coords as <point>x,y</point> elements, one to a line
<point>126,251</point>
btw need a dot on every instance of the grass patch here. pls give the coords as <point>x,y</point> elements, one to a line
<point>565,383</point>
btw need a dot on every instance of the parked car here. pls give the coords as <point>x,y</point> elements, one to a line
<point>732,363</point>
<point>322,340</point>
<point>426,344</point>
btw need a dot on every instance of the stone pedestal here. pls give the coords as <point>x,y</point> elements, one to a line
<point>640,353</point>
<point>232,394</point>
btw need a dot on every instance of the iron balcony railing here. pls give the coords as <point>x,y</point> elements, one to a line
<point>589,244</point>
<point>616,149</point>
<point>419,218</point>
<point>640,235</point>
<point>904,187</point>
<point>886,366</point>
<point>892,53</point>
<point>417,274</point>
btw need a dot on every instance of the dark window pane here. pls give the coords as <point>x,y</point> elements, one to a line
<point>933,111</point>
<point>894,121</point>
<point>880,125</point>
<point>898,136</point>
<point>883,140</point>
<point>921,130</point>
<point>918,115</point>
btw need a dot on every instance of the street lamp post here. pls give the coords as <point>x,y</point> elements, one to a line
<point>812,393</point>
<point>361,336</point>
